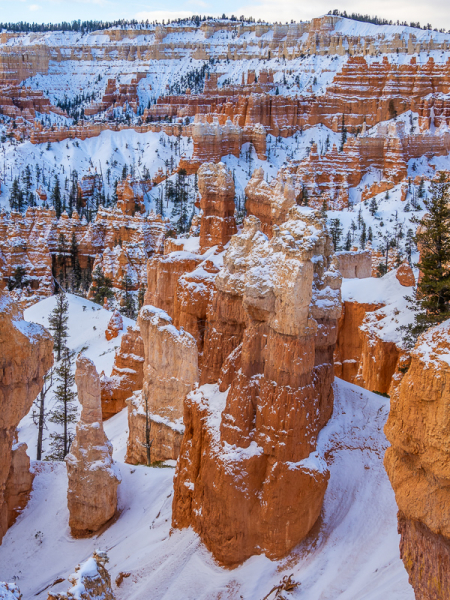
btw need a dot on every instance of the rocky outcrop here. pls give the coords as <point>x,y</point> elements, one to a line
<point>249,466</point>
<point>130,195</point>
<point>269,202</point>
<point>126,375</point>
<point>114,326</point>
<point>355,264</point>
<point>405,275</point>
<point>216,186</point>
<point>121,244</point>
<point>349,346</point>
<point>90,581</point>
<point>170,372</point>
<point>93,478</point>
<point>25,356</point>
<point>418,463</point>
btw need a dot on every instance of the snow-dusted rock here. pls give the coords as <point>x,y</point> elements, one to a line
<point>93,476</point>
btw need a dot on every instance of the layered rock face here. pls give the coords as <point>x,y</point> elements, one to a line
<point>269,202</point>
<point>93,479</point>
<point>249,468</point>
<point>216,186</point>
<point>127,373</point>
<point>418,464</point>
<point>170,372</point>
<point>349,347</point>
<point>91,580</point>
<point>26,354</point>
<point>120,243</point>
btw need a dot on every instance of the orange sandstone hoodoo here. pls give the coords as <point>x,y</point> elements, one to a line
<point>250,476</point>
<point>25,356</point>
<point>418,464</point>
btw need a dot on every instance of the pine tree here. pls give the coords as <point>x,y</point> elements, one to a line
<point>431,299</point>
<point>141,296</point>
<point>40,415</point>
<point>62,251</point>
<point>348,241</point>
<point>56,197</point>
<point>128,308</point>
<point>102,286</point>
<point>363,238</point>
<point>336,230</point>
<point>65,411</point>
<point>76,269</point>
<point>324,208</point>
<point>16,197</point>
<point>373,207</point>
<point>57,322</point>
<point>409,244</point>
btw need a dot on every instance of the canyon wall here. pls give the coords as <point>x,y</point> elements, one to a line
<point>26,354</point>
<point>249,466</point>
<point>170,372</point>
<point>418,463</point>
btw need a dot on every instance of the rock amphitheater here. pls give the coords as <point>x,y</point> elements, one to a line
<point>226,211</point>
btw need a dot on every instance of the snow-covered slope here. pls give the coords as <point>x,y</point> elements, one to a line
<point>351,555</point>
<point>87,324</point>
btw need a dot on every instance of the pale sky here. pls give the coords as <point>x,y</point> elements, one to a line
<point>436,12</point>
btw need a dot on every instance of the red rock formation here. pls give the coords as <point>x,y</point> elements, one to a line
<point>90,581</point>
<point>114,326</point>
<point>32,241</point>
<point>244,445</point>
<point>216,186</point>
<point>163,273</point>
<point>418,464</point>
<point>349,346</point>
<point>130,195</point>
<point>93,479</point>
<point>405,275</point>
<point>126,375</point>
<point>170,372</point>
<point>25,356</point>
<point>269,202</point>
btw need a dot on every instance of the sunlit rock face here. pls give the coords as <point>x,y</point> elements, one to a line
<point>249,467</point>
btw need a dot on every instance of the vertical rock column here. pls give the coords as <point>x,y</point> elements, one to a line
<point>418,464</point>
<point>25,356</point>
<point>216,186</point>
<point>170,372</point>
<point>250,477</point>
<point>93,479</point>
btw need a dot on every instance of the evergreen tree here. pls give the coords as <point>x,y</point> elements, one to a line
<point>431,299</point>
<point>373,207</point>
<point>57,323</point>
<point>128,308</point>
<point>65,411</point>
<point>40,414</point>
<point>102,286</point>
<point>141,296</point>
<point>16,197</point>
<point>62,251</point>
<point>76,269</point>
<point>336,230</point>
<point>19,279</point>
<point>348,241</point>
<point>409,244</point>
<point>56,197</point>
<point>363,238</point>
<point>370,235</point>
<point>324,208</point>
